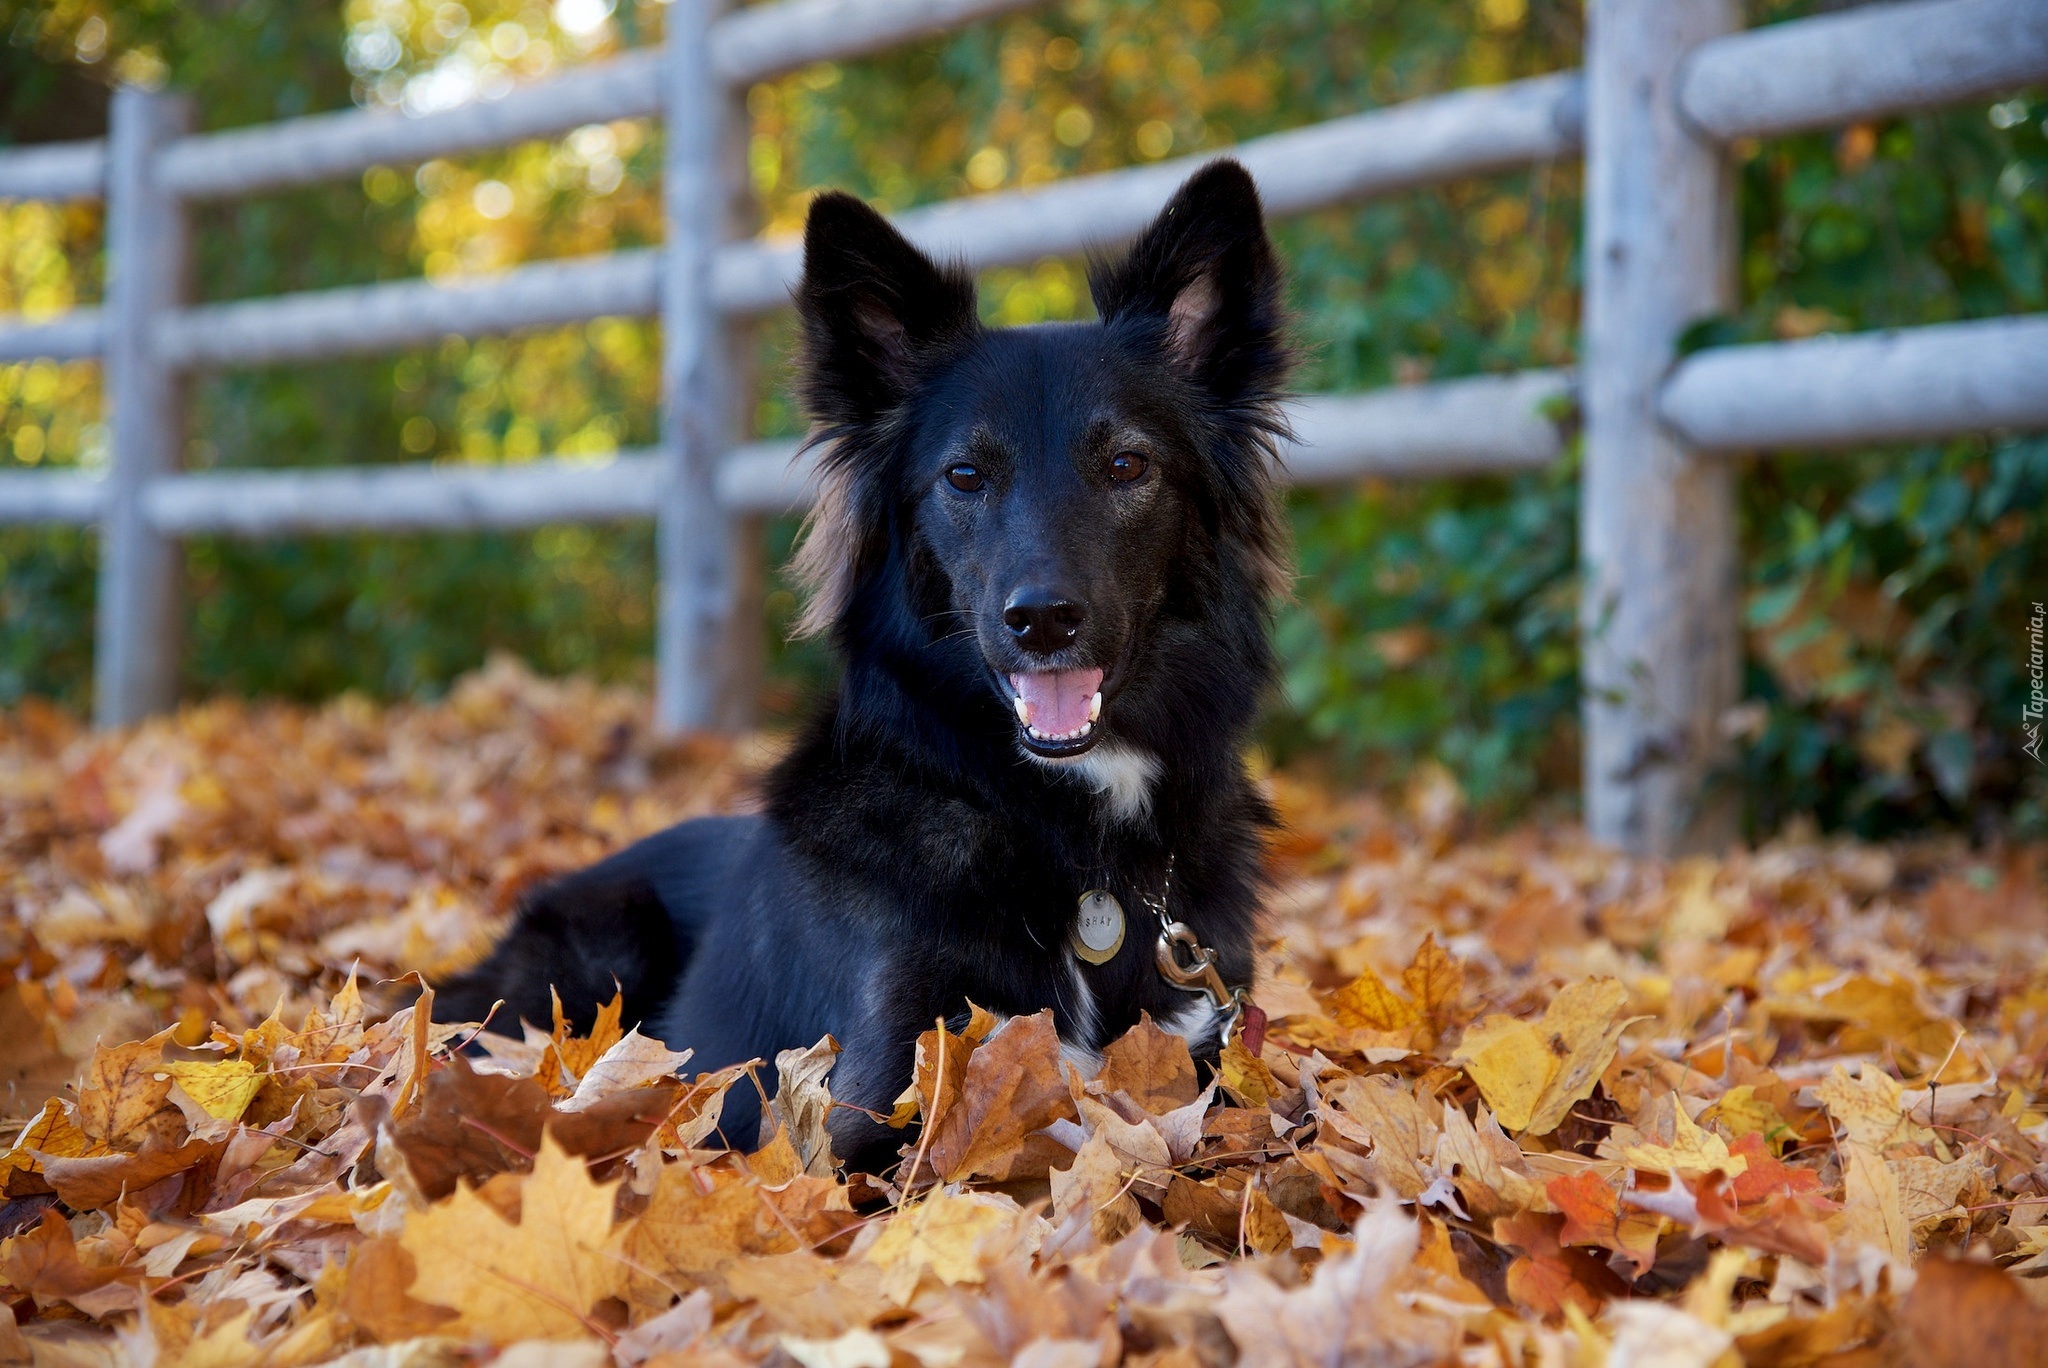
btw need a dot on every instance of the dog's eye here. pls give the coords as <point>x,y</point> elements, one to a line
<point>965,478</point>
<point>1127,467</point>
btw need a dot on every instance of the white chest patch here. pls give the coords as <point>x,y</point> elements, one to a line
<point>1200,1023</point>
<point>1123,775</point>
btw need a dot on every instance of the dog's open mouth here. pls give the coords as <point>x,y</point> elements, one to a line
<point>1058,709</point>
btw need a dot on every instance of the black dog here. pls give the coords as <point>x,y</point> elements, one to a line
<point>1046,556</point>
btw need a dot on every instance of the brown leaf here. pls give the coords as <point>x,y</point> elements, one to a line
<point>1013,1088</point>
<point>375,1294</point>
<point>1971,1315</point>
<point>469,1126</point>
<point>43,1263</point>
<point>1151,1067</point>
<point>125,1086</point>
<point>100,1180</point>
<point>1436,983</point>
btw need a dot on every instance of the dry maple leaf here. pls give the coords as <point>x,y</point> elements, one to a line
<point>125,1086</point>
<point>1011,1089</point>
<point>1151,1067</point>
<point>803,1104</point>
<point>534,1278</point>
<point>950,1237</point>
<point>1531,1073</point>
<point>1436,982</point>
<point>1593,1215</point>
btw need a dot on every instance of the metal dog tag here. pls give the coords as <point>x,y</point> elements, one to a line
<point>1098,927</point>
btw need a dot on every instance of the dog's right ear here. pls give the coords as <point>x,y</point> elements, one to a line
<point>875,311</point>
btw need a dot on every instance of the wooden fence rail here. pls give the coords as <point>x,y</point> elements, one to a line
<point>1668,83</point>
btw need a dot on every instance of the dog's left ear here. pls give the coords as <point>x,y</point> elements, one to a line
<point>1204,270</point>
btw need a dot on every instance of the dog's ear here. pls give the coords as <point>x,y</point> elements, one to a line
<point>1204,272</point>
<point>875,311</point>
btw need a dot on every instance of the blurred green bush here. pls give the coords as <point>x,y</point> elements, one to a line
<point>1887,591</point>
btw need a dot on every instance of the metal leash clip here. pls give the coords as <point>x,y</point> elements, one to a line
<point>1199,974</point>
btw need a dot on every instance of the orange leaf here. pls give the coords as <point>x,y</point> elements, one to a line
<point>1594,1215</point>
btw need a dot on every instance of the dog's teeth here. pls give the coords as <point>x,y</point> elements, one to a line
<point>1095,706</point>
<point>1023,713</point>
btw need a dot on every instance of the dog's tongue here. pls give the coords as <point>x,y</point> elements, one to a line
<point>1056,701</point>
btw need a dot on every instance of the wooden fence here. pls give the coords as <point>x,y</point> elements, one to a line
<point>1667,85</point>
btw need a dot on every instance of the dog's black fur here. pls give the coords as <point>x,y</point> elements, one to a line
<point>920,847</point>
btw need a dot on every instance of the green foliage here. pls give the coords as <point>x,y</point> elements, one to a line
<point>1886,591</point>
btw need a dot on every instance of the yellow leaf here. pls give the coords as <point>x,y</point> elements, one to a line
<point>1367,1001</point>
<point>1245,1074</point>
<point>1437,983</point>
<point>1693,1150</point>
<point>231,1344</point>
<point>1872,1212</point>
<point>222,1088</point>
<point>53,1132</point>
<point>949,1235</point>
<point>1870,1108</point>
<point>536,1278</point>
<point>1741,1112</point>
<point>1531,1074</point>
<point>1512,1065</point>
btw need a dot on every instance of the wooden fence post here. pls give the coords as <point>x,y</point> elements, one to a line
<point>148,253</point>
<point>1660,648</point>
<point>706,637</point>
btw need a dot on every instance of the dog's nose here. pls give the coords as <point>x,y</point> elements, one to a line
<point>1043,621</point>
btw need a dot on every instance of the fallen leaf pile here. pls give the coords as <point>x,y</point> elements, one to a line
<point>1522,1101</point>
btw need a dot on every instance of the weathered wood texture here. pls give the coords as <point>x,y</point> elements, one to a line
<point>135,648</point>
<point>760,41</point>
<point>1837,391</point>
<point>1492,424</point>
<point>316,324</point>
<point>696,541</point>
<point>50,496</point>
<point>1426,141</point>
<point>54,171</point>
<point>1871,61</point>
<point>403,498</point>
<point>1861,388</point>
<point>1422,142</point>
<point>75,335</point>
<point>319,147</point>
<point>1661,660</point>
<point>750,45</point>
